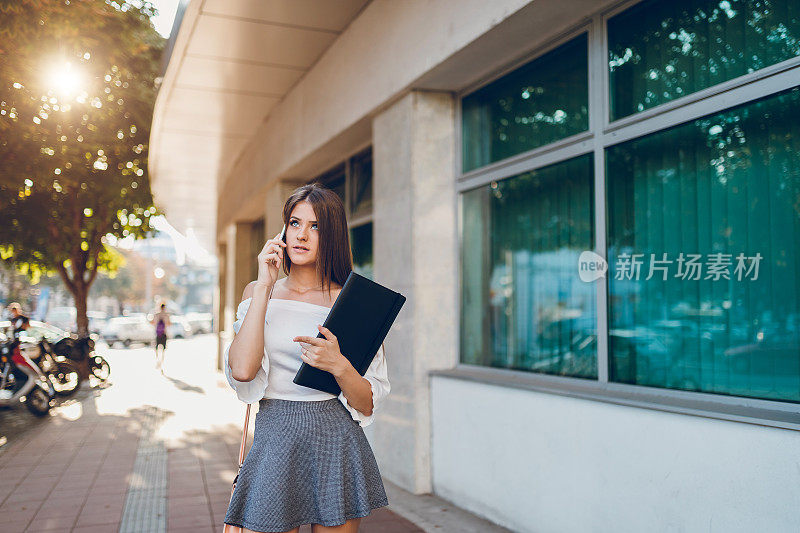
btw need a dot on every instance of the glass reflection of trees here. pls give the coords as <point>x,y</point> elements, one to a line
<point>659,51</point>
<point>540,315</point>
<point>361,246</point>
<point>728,183</point>
<point>540,102</point>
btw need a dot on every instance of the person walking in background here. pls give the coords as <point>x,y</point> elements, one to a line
<point>161,321</point>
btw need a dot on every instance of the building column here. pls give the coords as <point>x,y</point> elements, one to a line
<point>236,276</point>
<point>416,245</point>
<point>220,299</point>
<point>242,259</point>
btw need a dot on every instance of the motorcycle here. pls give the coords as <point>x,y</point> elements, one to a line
<point>21,378</point>
<point>60,372</point>
<point>78,349</point>
<point>99,367</point>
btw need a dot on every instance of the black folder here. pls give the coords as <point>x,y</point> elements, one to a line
<point>360,318</point>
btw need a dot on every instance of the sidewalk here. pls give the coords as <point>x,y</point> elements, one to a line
<point>148,453</point>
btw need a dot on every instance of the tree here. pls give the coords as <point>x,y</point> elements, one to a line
<point>78,81</point>
<point>124,284</point>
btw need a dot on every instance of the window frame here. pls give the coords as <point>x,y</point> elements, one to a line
<point>601,135</point>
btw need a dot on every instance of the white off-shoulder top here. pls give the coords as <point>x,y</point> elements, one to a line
<point>285,319</point>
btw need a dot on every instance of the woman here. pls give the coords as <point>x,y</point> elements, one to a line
<point>310,462</point>
<point>162,322</point>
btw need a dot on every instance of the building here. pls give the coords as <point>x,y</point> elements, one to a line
<point>485,152</point>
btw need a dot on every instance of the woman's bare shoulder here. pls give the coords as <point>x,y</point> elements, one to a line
<point>248,291</point>
<point>249,288</point>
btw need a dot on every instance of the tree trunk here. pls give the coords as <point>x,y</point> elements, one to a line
<point>81,295</point>
<point>78,283</point>
<point>80,292</point>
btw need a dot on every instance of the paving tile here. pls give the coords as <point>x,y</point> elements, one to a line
<point>188,500</point>
<point>29,497</point>
<point>20,515</point>
<point>94,517</point>
<point>15,472</point>
<point>194,529</point>
<point>218,518</point>
<point>58,508</point>
<point>390,526</point>
<point>67,500</point>
<point>103,528</point>
<point>189,521</point>
<point>106,506</point>
<point>177,510</point>
<point>51,526</point>
<point>51,523</point>
<point>15,525</point>
<point>379,515</point>
<point>38,482</point>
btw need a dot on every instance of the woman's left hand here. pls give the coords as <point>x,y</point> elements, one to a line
<point>323,353</point>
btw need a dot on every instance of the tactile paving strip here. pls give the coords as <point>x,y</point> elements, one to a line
<point>146,502</point>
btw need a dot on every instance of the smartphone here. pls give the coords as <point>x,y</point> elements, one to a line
<point>283,235</point>
<point>283,238</point>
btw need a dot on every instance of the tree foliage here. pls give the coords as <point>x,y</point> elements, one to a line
<point>78,81</point>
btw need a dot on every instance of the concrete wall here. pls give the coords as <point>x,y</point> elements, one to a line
<point>220,300</point>
<point>549,463</point>
<point>234,273</point>
<point>415,254</point>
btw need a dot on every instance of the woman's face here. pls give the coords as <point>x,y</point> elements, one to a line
<point>302,230</point>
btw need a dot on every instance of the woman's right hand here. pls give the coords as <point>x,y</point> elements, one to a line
<point>270,260</point>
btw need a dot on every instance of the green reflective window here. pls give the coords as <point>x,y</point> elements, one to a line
<point>536,104</point>
<point>335,179</point>
<point>720,186</point>
<point>361,184</point>
<point>361,245</point>
<point>523,304</point>
<point>659,51</point>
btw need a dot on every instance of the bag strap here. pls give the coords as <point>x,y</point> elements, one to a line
<point>241,448</point>
<point>244,436</point>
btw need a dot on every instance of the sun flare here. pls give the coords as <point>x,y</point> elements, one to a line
<point>65,79</point>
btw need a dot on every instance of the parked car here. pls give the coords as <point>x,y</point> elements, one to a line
<point>62,317</point>
<point>199,322</point>
<point>66,318</point>
<point>97,321</point>
<point>180,328</point>
<point>129,329</point>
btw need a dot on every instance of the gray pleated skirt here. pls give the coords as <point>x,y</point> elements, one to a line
<point>310,463</point>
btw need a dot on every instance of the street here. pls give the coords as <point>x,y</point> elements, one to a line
<point>144,453</point>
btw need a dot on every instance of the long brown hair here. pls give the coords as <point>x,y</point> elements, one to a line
<point>334,257</point>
